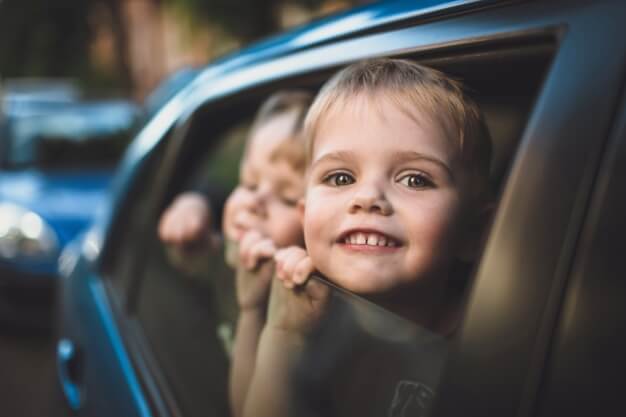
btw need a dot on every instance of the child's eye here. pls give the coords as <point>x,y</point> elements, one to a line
<point>415,181</point>
<point>291,202</point>
<point>339,179</point>
<point>250,186</point>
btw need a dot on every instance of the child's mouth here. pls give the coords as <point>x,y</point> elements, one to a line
<point>368,239</point>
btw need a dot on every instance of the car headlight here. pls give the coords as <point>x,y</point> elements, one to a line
<point>24,234</point>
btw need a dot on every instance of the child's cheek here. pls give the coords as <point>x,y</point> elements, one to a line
<point>285,227</point>
<point>316,230</point>
<point>444,229</point>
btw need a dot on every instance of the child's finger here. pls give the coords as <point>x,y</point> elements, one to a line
<point>279,256</point>
<point>282,255</point>
<point>283,259</point>
<point>170,229</point>
<point>249,239</point>
<point>164,226</point>
<point>196,225</point>
<point>279,259</point>
<point>184,231</point>
<point>261,250</point>
<point>289,265</point>
<point>302,270</point>
<point>246,244</point>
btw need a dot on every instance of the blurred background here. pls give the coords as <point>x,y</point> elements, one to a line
<point>126,47</point>
<point>78,79</point>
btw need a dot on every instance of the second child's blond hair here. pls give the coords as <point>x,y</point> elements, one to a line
<point>422,93</point>
<point>296,104</point>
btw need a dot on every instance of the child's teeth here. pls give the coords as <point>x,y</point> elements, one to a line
<point>371,239</point>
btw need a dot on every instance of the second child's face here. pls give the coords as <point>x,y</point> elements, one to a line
<point>269,189</point>
<point>385,198</point>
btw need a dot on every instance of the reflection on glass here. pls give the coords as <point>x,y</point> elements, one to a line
<point>362,360</point>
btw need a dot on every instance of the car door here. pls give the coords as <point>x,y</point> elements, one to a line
<point>95,374</point>
<point>584,370</point>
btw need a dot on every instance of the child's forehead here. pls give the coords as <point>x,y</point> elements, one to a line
<point>272,131</point>
<point>366,109</point>
<point>381,122</point>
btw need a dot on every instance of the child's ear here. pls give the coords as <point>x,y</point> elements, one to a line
<point>476,234</point>
<point>300,208</point>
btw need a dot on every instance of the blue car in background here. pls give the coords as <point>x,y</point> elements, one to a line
<point>57,157</point>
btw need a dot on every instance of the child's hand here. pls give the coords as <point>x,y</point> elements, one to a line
<point>255,248</point>
<point>185,226</point>
<point>256,267</point>
<point>296,302</point>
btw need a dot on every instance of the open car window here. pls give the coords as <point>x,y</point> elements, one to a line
<point>362,357</point>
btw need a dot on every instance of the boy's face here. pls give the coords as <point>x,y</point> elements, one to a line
<point>385,199</point>
<point>269,189</point>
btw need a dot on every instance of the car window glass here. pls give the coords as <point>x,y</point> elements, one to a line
<point>120,267</point>
<point>378,364</point>
<point>186,307</point>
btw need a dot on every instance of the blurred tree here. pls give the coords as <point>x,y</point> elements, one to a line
<point>247,20</point>
<point>120,35</point>
<point>41,38</point>
<point>56,38</point>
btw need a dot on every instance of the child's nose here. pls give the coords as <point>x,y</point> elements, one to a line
<point>258,203</point>
<point>371,199</point>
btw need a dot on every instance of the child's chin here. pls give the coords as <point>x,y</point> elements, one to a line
<point>363,283</point>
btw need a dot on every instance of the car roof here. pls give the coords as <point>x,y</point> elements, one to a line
<point>350,23</point>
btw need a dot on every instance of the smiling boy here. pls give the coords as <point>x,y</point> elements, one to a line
<point>396,197</point>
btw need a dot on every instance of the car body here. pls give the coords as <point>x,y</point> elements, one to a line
<point>167,89</point>
<point>58,155</point>
<point>543,327</point>
<point>38,90</point>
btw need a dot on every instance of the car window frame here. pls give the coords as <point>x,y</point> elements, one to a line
<point>511,387</point>
<point>590,309</point>
<point>169,183</point>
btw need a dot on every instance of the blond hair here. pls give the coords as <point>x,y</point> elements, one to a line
<point>417,91</point>
<point>296,103</point>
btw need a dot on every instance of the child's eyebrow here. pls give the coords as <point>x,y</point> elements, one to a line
<point>286,185</point>
<point>407,156</point>
<point>338,156</point>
